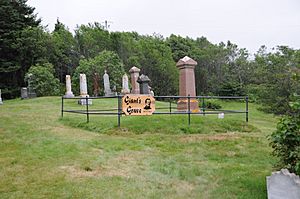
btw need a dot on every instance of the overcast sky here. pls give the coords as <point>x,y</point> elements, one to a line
<point>248,23</point>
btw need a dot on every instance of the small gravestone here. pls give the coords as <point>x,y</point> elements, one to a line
<point>144,80</point>
<point>1,102</point>
<point>96,79</point>
<point>24,93</point>
<point>221,115</point>
<point>83,91</point>
<point>151,91</point>
<point>283,185</point>
<point>69,93</point>
<point>125,87</point>
<point>107,90</point>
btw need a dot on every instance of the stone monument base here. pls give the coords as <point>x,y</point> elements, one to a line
<point>69,95</point>
<point>83,101</point>
<point>182,105</point>
<point>111,94</point>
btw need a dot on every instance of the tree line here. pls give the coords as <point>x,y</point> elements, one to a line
<point>223,69</point>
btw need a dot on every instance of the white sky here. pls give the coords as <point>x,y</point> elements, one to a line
<point>248,23</point>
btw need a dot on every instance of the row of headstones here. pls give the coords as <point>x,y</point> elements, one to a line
<point>140,84</point>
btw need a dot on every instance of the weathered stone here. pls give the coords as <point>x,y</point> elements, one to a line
<point>83,90</point>
<point>1,102</point>
<point>24,93</point>
<point>83,85</point>
<point>125,87</point>
<point>30,90</point>
<point>134,75</point>
<point>283,185</point>
<point>143,80</point>
<point>96,79</point>
<point>187,86</point>
<point>69,93</point>
<point>107,90</point>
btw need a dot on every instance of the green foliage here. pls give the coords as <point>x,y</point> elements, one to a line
<point>106,60</point>
<point>231,89</point>
<point>210,104</point>
<point>16,16</point>
<point>273,73</point>
<point>64,55</point>
<point>92,39</point>
<point>286,139</point>
<point>42,80</point>
<point>155,59</point>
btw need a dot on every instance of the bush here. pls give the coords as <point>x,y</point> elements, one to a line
<point>210,104</point>
<point>286,141</point>
<point>42,80</point>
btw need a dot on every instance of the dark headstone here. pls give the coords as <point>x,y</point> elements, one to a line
<point>143,80</point>
<point>24,93</point>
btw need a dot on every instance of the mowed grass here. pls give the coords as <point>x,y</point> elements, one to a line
<point>45,156</point>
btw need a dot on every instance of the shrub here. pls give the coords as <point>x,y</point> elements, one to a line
<point>210,104</point>
<point>286,140</point>
<point>42,80</point>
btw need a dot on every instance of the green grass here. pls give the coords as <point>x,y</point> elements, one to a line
<point>159,156</point>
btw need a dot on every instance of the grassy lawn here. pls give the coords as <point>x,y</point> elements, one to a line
<point>159,156</point>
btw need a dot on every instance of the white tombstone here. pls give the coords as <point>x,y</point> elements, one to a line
<point>107,90</point>
<point>125,87</point>
<point>83,91</point>
<point>1,102</point>
<point>221,115</point>
<point>69,93</point>
<point>83,86</point>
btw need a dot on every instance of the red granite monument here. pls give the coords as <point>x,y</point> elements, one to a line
<point>187,86</point>
<point>134,75</point>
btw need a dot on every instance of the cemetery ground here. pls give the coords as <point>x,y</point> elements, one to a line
<point>159,156</point>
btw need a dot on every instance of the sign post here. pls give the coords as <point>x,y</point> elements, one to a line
<point>138,104</point>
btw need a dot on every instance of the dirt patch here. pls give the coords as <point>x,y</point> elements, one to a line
<point>215,137</point>
<point>76,172</point>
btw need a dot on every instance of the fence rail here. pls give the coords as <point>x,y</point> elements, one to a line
<point>118,111</point>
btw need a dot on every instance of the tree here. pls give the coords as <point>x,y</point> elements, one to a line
<point>16,16</point>
<point>155,59</point>
<point>92,39</point>
<point>42,80</point>
<point>274,77</point>
<point>106,60</point>
<point>64,55</point>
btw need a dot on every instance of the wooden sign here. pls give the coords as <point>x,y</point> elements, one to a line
<point>138,104</point>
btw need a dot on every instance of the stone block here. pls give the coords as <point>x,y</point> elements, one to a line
<point>283,185</point>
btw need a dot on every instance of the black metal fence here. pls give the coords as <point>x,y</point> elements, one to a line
<point>169,110</point>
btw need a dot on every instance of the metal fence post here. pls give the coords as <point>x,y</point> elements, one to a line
<point>203,107</point>
<point>119,110</point>
<point>189,109</point>
<point>247,108</point>
<point>87,109</point>
<point>62,106</point>
<point>170,106</point>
